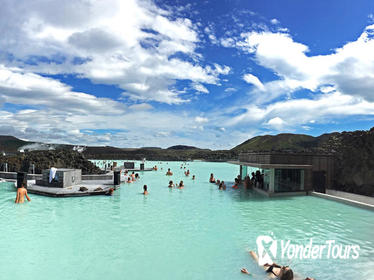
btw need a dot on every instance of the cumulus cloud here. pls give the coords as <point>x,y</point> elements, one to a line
<point>276,123</point>
<point>133,45</point>
<point>348,69</point>
<point>129,44</point>
<point>19,87</point>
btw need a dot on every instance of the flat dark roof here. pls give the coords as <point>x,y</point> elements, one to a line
<point>269,165</point>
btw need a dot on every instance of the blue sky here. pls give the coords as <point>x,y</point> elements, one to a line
<point>204,73</point>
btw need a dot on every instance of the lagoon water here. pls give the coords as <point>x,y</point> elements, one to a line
<point>195,233</point>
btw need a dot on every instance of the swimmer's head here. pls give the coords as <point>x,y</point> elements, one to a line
<point>145,188</point>
<point>286,273</point>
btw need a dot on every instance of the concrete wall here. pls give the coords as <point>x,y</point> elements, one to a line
<point>344,200</point>
<point>13,175</point>
<point>352,196</point>
<point>72,177</point>
<point>97,177</point>
<point>65,178</point>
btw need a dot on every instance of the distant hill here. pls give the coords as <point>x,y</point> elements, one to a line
<point>10,144</point>
<point>283,142</point>
<point>181,147</point>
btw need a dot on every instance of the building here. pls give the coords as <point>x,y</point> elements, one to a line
<point>287,173</point>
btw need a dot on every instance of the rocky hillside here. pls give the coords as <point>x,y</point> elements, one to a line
<point>47,159</point>
<point>354,160</point>
<point>283,142</point>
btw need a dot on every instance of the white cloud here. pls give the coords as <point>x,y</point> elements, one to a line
<point>274,21</point>
<point>252,79</point>
<point>276,123</point>
<point>293,113</point>
<point>200,88</point>
<point>19,87</point>
<point>371,18</point>
<point>201,120</point>
<point>123,43</point>
<point>348,69</point>
<point>230,89</point>
<point>228,42</point>
<point>141,106</point>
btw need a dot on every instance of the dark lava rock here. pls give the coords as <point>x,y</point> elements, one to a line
<point>47,159</point>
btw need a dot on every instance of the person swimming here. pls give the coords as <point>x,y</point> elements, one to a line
<point>171,184</point>
<point>145,190</point>
<point>137,176</point>
<point>222,186</point>
<point>211,179</point>
<point>235,186</point>
<point>21,194</point>
<point>187,173</point>
<point>169,173</point>
<point>193,177</point>
<point>181,185</point>
<point>110,192</point>
<point>218,182</point>
<point>280,272</point>
<point>129,180</point>
<point>133,176</point>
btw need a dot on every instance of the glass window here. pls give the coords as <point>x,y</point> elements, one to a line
<point>288,180</point>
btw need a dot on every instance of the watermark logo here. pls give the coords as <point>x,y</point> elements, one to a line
<point>267,249</point>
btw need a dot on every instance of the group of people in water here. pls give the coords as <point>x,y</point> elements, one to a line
<point>221,184</point>
<point>130,178</point>
<point>181,183</point>
<point>255,180</point>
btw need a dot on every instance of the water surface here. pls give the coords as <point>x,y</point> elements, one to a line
<point>195,233</point>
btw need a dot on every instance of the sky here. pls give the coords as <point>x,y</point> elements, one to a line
<point>211,74</point>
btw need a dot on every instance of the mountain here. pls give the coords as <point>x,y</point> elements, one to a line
<point>10,144</point>
<point>181,147</point>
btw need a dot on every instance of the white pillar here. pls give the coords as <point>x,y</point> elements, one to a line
<point>271,183</point>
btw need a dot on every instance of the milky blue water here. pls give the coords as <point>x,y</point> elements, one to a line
<point>195,233</point>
